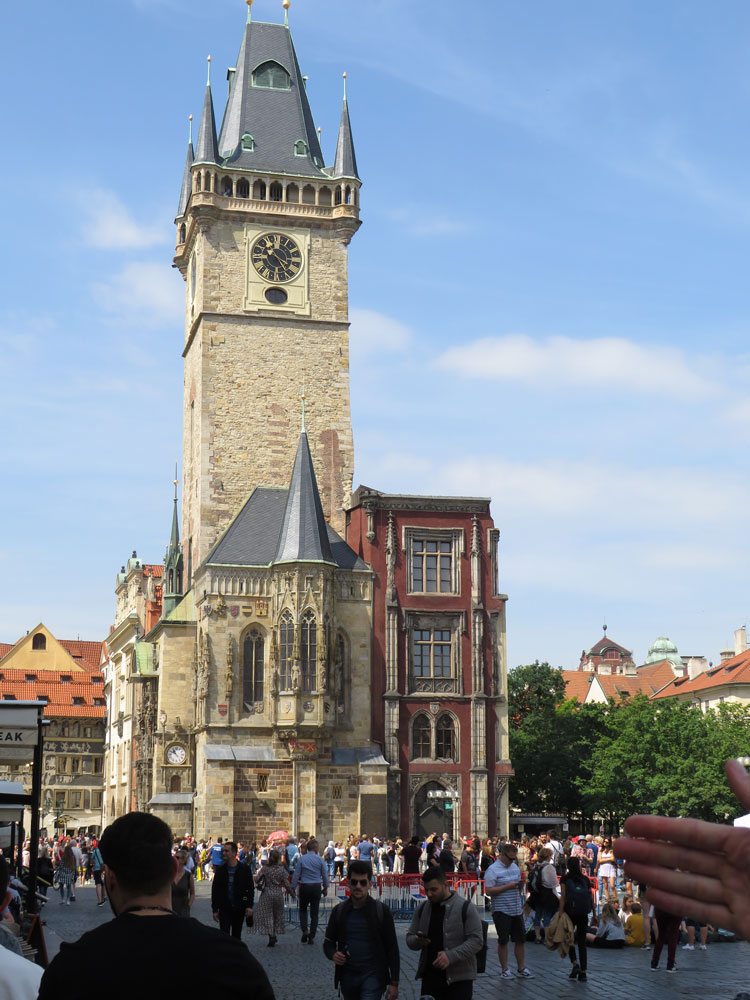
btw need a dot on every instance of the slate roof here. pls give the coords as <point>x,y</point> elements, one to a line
<point>733,671</point>
<point>187,182</point>
<point>206,149</point>
<point>253,536</point>
<point>345,163</point>
<point>304,532</point>
<point>276,119</point>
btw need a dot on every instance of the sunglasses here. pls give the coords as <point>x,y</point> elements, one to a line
<point>359,881</point>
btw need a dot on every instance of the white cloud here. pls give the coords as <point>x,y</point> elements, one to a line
<point>111,226</point>
<point>604,363</point>
<point>372,332</point>
<point>149,291</point>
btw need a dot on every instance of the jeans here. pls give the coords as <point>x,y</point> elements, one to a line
<point>309,895</point>
<point>361,986</point>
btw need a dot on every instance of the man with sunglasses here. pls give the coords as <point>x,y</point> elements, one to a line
<point>503,884</point>
<point>361,941</point>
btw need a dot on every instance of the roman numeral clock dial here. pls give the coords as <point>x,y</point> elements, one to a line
<point>276,257</point>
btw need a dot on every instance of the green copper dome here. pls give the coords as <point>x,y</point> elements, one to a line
<point>663,649</point>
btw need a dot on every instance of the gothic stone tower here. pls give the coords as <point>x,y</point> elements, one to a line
<point>263,228</point>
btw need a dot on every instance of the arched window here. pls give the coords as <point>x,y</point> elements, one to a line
<point>445,738</point>
<point>252,674</point>
<point>39,641</point>
<point>271,75</point>
<point>292,192</point>
<point>286,644</point>
<point>300,148</point>
<point>171,581</point>
<point>227,187</point>
<point>259,190</point>
<point>324,198</point>
<point>243,188</point>
<point>207,186</point>
<point>348,198</point>
<point>337,196</point>
<point>183,233</point>
<point>175,783</point>
<point>276,192</point>
<point>309,648</point>
<point>421,737</point>
<point>248,142</point>
<point>308,195</point>
<point>197,188</point>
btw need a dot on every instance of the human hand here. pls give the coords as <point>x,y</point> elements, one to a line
<point>441,962</point>
<point>216,917</point>
<point>325,891</point>
<point>339,958</point>
<point>422,939</point>
<point>249,911</point>
<point>391,992</point>
<point>713,883</point>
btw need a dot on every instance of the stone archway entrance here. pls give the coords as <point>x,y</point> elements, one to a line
<point>432,815</point>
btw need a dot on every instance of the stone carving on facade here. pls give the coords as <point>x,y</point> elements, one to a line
<point>274,681</point>
<point>495,659</point>
<point>370,508</point>
<point>323,665</point>
<point>390,560</point>
<point>296,677</point>
<point>203,668</point>
<point>221,607</point>
<point>230,667</point>
<point>501,783</point>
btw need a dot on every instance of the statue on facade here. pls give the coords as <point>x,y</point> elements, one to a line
<point>230,667</point>
<point>202,686</point>
<point>274,681</point>
<point>296,678</point>
<point>338,679</point>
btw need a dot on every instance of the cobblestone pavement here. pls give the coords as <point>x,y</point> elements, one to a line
<point>302,973</point>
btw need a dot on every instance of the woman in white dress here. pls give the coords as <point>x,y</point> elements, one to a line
<point>606,870</point>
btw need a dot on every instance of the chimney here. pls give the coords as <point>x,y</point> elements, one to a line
<point>740,640</point>
<point>696,665</point>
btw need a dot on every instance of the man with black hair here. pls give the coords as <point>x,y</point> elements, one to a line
<point>361,941</point>
<point>232,892</point>
<point>145,952</point>
<point>448,930</point>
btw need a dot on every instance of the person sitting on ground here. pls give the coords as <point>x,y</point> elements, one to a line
<point>610,933</point>
<point>634,927</point>
<point>625,909</point>
<point>141,953</point>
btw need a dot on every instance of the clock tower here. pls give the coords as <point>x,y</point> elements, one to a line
<point>263,229</point>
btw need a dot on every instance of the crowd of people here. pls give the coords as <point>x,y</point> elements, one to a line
<point>538,889</point>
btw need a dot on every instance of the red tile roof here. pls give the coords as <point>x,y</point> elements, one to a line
<point>87,654</point>
<point>733,671</point>
<point>606,643</point>
<point>5,648</point>
<point>60,696</point>
<point>647,680</point>
<point>153,569</point>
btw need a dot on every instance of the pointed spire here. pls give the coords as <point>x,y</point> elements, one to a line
<point>172,578</point>
<point>345,163</point>
<point>207,150</point>
<point>304,532</point>
<point>187,180</point>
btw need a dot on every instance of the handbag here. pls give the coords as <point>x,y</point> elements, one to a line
<point>249,921</point>
<point>260,883</point>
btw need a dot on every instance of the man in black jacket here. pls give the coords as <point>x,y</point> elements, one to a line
<point>361,941</point>
<point>232,891</point>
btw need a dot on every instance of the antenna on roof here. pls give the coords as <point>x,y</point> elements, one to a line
<point>285,4</point>
<point>208,81</point>
<point>190,132</point>
<point>249,11</point>
<point>344,75</point>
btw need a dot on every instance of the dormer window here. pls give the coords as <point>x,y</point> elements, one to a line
<point>300,148</point>
<point>248,142</point>
<point>272,76</point>
<point>30,678</point>
<point>39,641</point>
<point>65,678</point>
<point>79,701</point>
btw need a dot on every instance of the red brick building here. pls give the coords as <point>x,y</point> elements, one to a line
<point>438,661</point>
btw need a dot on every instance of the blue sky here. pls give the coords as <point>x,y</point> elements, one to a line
<point>548,293</point>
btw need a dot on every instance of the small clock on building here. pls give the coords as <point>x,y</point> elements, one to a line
<point>176,754</point>
<point>276,257</point>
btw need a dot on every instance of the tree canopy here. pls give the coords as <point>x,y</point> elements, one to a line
<point>619,758</point>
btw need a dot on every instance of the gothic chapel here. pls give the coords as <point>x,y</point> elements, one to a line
<point>249,699</point>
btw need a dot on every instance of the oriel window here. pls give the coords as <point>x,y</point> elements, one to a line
<point>253,669</point>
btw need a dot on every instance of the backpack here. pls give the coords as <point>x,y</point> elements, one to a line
<point>577,897</point>
<point>535,880</point>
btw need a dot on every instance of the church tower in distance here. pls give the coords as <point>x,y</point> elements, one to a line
<point>263,229</point>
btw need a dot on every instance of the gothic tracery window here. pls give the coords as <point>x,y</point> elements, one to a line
<point>445,738</point>
<point>253,669</point>
<point>286,644</point>
<point>421,737</point>
<point>309,650</point>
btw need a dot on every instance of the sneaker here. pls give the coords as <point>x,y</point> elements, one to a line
<point>525,974</point>
<point>101,902</point>
<point>507,974</point>
<point>688,947</point>
<point>703,947</point>
<point>581,977</point>
<point>654,968</point>
<point>304,939</point>
<point>673,969</point>
<point>645,947</point>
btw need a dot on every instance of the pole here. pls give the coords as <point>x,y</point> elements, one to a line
<point>36,798</point>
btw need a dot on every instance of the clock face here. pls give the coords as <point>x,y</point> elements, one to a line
<point>276,257</point>
<point>176,754</point>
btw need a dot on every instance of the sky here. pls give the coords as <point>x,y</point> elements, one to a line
<point>548,294</point>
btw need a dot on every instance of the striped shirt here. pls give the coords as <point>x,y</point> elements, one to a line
<point>509,901</point>
<point>310,869</point>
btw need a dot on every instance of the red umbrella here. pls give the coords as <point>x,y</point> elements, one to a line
<point>278,835</point>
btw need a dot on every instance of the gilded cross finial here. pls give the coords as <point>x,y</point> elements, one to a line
<point>304,429</point>
<point>249,10</point>
<point>190,132</point>
<point>175,468</point>
<point>344,75</point>
<point>286,4</point>
<point>208,81</point>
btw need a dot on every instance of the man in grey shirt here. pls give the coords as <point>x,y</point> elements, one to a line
<point>311,875</point>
